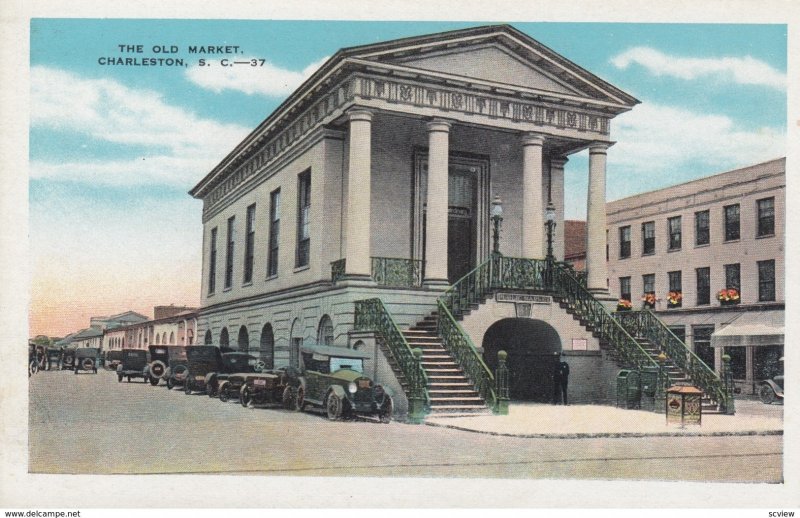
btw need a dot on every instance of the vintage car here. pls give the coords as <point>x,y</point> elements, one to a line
<point>33,363</point>
<point>53,360</point>
<point>86,358</point>
<point>113,360</point>
<point>133,365</point>
<point>167,362</point>
<point>201,361</point>
<point>68,359</point>
<point>262,388</point>
<point>333,379</point>
<point>41,357</point>
<point>232,363</point>
<point>771,390</point>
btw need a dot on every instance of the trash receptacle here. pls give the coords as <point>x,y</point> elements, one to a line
<point>649,376</point>
<point>684,405</point>
<point>629,390</point>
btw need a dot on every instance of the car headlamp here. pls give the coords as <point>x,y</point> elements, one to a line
<point>352,388</point>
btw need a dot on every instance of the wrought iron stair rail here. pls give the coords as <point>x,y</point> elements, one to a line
<point>645,324</point>
<point>580,300</point>
<point>372,315</point>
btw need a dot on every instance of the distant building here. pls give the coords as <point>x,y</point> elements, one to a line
<point>89,337</point>
<point>120,319</point>
<point>575,243</point>
<point>711,251</point>
<point>178,327</point>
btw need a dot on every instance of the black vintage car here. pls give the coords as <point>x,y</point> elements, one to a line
<point>333,379</point>
<point>133,365</point>
<point>86,358</point>
<point>53,357</point>
<point>260,388</point>
<point>167,362</point>
<point>68,359</point>
<point>201,360</point>
<point>33,363</point>
<point>113,360</point>
<point>232,362</point>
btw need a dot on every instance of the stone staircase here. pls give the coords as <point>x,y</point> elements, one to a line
<point>451,392</point>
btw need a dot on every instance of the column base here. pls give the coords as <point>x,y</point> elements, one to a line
<point>436,284</point>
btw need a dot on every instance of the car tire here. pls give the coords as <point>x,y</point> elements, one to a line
<point>299,399</point>
<point>33,368</point>
<point>223,391</point>
<point>387,408</point>
<point>333,406</point>
<point>245,396</point>
<point>154,381</point>
<point>766,394</point>
<point>211,389</point>
<point>287,398</point>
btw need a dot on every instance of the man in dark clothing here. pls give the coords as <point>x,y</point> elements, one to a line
<point>560,380</point>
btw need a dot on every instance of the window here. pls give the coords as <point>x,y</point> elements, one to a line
<point>674,225</point>
<point>249,243</point>
<point>738,361</point>
<point>303,216</point>
<point>703,286</point>
<point>766,217</point>
<point>731,222</point>
<point>766,280</point>
<point>701,337</point>
<point>701,226</point>
<point>274,232</point>
<point>625,288</point>
<point>229,256</point>
<point>325,331</point>
<point>212,263</point>
<point>766,361</point>
<point>624,242</point>
<point>674,281</point>
<point>675,295</point>
<point>648,238</point>
<point>732,277</point>
<point>649,283</point>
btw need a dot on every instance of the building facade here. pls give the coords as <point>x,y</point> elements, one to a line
<point>382,177</point>
<point>710,256</point>
<point>175,326</point>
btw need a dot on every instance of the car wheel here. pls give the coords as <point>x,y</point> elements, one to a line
<point>154,381</point>
<point>766,394</point>
<point>223,391</point>
<point>386,411</point>
<point>33,368</point>
<point>299,399</point>
<point>288,398</point>
<point>211,389</point>
<point>245,397</point>
<point>333,405</point>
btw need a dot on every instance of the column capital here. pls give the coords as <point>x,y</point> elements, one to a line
<point>532,139</point>
<point>559,162</point>
<point>439,125</point>
<point>360,114</point>
<point>597,148</point>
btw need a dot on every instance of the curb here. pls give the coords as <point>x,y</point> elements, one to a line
<point>610,435</point>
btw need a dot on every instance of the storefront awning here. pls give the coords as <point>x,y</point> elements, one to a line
<point>753,329</point>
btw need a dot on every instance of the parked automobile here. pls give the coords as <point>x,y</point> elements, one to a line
<point>201,361</point>
<point>133,365</point>
<point>232,363</point>
<point>157,367</point>
<point>33,363</point>
<point>113,359</point>
<point>260,388</point>
<point>41,357</point>
<point>87,359</point>
<point>68,359</point>
<point>771,390</point>
<point>333,379</point>
<point>167,362</point>
<point>53,357</point>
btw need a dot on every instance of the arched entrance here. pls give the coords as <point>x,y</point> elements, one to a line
<point>243,340</point>
<point>223,338</point>
<point>531,346</point>
<point>267,349</point>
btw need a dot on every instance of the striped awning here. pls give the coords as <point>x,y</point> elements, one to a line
<point>752,329</point>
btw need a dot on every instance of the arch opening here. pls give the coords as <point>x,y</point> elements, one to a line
<point>267,346</point>
<point>243,341</point>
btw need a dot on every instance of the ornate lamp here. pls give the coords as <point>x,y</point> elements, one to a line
<point>550,223</point>
<point>497,218</point>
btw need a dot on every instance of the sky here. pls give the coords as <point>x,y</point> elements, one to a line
<point>114,149</point>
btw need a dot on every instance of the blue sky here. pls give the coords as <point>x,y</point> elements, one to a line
<point>114,149</point>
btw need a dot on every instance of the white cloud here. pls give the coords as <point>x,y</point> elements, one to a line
<point>746,70</point>
<point>268,80</point>
<point>180,146</point>
<point>663,139</point>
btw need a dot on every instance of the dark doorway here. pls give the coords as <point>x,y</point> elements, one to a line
<point>461,221</point>
<point>531,346</point>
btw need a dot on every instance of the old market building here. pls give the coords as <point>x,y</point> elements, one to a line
<point>711,251</point>
<point>365,204</point>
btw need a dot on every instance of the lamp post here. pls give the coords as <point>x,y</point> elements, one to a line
<point>550,223</point>
<point>497,218</point>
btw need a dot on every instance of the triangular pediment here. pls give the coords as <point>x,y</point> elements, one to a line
<point>489,62</point>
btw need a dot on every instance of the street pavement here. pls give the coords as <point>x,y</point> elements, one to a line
<point>90,423</point>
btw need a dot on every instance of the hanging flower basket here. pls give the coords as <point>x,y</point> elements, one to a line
<point>728,296</point>
<point>649,300</point>
<point>624,305</point>
<point>674,299</point>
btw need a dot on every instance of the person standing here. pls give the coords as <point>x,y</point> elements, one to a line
<point>560,380</point>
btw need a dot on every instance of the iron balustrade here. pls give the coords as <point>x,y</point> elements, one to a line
<point>372,315</point>
<point>645,324</point>
<point>337,270</point>
<point>387,271</point>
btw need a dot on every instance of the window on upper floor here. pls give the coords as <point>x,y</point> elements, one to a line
<point>649,283</point>
<point>732,232</point>
<point>674,226</point>
<point>733,277</point>
<point>648,237</point>
<point>701,228</point>
<point>249,244</point>
<point>212,263</point>
<point>274,232</point>
<point>303,219</point>
<point>229,253</point>
<point>625,288</point>
<point>766,217</point>
<point>766,280</point>
<point>624,242</point>
<point>675,294</point>
<point>703,286</point>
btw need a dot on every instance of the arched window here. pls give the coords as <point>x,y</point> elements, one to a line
<point>189,337</point>
<point>164,338</point>
<point>172,337</point>
<point>267,349</point>
<point>223,337</point>
<point>243,340</point>
<point>158,340</point>
<point>295,343</point>
<point>325,331</point>
<point>208,340</point>
<point>359,345</point>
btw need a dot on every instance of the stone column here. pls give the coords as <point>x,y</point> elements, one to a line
<point>533,234</point>
<point>357,247</point>
<point>596,268</point>
<point>557,197</point>
<point>436,215</point>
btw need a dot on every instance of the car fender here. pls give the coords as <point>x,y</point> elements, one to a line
<point>167,372</point>
<point>774,386</point>
<point>210,377</point>
<point>387,390</point>
<point>339,391</point>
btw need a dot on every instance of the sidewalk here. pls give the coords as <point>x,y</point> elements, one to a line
<point>536,420</point>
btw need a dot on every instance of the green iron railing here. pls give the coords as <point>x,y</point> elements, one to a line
<point>372,315</point>
<point>337,270</point>
<point>645,324</point>
<point>387,271</point>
